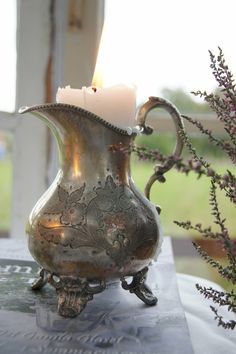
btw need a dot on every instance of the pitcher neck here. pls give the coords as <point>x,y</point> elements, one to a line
<point>85,142</point>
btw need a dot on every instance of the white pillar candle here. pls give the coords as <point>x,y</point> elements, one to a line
<point>116,104</point>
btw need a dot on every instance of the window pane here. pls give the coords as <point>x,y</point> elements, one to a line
<point>5,182</point>
<point>7,55</point>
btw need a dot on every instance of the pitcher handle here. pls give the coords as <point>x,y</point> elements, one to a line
<point>160,170</point>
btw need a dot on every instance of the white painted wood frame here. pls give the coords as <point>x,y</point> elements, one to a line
<point>34,48</point>
<point>30,135</point>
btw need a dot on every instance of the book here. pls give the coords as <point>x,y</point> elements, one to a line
<point>115,321</point>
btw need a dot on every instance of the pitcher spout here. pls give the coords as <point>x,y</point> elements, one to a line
<point>83,138</point>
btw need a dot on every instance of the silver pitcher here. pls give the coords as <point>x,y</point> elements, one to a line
<point>92,224</point>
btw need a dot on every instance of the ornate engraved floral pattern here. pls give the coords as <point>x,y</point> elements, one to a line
<point>112,218</point>
<point>69,206</point>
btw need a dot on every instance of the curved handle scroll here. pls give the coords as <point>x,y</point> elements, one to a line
<point>160,170</point>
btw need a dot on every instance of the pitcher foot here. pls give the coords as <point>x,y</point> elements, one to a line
<point>41,281</point>
<point>139,288</point>
<point>73,294</point>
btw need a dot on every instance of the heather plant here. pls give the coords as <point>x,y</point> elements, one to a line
<point>224,105</point>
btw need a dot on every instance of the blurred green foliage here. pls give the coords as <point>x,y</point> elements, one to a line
<point>185,102</point>
<point>164,142</point>
<point>184,198</point>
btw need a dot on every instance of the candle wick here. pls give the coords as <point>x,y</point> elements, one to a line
<point>94,89</point>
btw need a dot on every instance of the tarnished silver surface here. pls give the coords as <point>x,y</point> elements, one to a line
<point>92,223</point>
<point>139,288</point>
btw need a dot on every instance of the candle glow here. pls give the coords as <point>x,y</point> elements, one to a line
<point>115,104</point>
<point>101,63</point>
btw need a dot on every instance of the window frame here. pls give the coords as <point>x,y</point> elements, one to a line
<point>29,147</point>
<point>42,38</point>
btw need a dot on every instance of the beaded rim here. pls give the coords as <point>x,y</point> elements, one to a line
<point>76,109</point>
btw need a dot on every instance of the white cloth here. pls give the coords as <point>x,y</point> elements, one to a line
<point>206,336</point>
